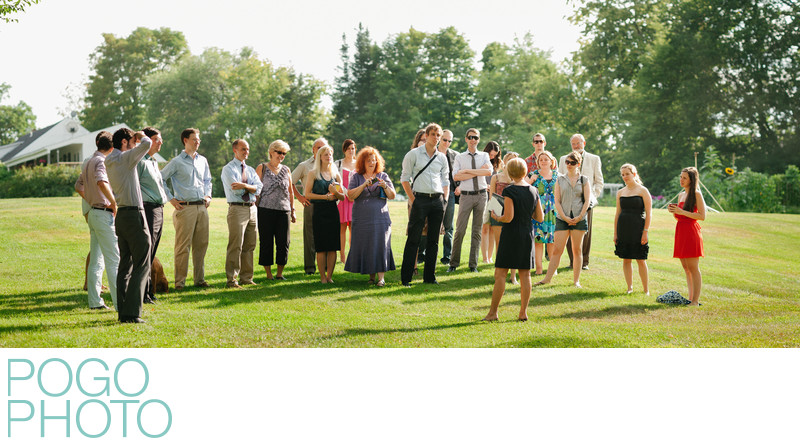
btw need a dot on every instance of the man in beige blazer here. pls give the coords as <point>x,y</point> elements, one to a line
<point>592,168</point>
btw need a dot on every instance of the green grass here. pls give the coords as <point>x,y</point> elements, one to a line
<point>750,294</point>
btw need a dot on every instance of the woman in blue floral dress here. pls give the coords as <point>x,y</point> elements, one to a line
<point>544,180</point>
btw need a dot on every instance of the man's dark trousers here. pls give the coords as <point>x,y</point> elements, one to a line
<point>432,209</point>
<point>134,261</point>
<point>154,213</point>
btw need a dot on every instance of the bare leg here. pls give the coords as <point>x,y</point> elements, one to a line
<point>380,279</point>
<point>525,293</point>
<point>555,255</point>
<point>550,253</point>
<point>280,270</point>
<point>627,271</point>
<point>577,255</point>
<point>538,256</point>
<point>513,273</point>
<point>268,270</point>
<point>331,264</point>
<point>321,258</point>
<point>492,244</point>
<point>497,292</point>
<point>685,265</point>
<point>343,240</point>
<point>697,279</point>
<point>485,229</point>
<point>643,274</point>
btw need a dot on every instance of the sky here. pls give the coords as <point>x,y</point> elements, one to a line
<point>47,51</point>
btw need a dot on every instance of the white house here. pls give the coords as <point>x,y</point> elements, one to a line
<point>65,142</point>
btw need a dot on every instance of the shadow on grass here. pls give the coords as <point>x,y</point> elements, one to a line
<point>564,298</point>
<point>620,310</point>
<point>564,342</point>
<point>353,332</point>
<point>60,326</point>
<point>55,301</point>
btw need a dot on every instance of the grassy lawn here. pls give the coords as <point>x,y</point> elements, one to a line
<point>750,294</point>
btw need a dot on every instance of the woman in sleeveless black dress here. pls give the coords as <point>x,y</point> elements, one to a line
<point>521,203</point>
<point>631,225</point>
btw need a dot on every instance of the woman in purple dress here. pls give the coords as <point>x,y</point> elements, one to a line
<point>371,247</point>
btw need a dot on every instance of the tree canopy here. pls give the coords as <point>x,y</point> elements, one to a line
<point>8,7</point>
<point>15,120</point>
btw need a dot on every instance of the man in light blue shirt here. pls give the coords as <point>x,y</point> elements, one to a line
<point>242,186</point>
<point>190,195</point>
<point>428,169</point>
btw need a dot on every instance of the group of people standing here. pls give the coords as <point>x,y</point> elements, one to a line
<point>544,208</point>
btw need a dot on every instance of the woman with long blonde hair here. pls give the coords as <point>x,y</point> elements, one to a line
<point>323,186</point>
<point>631,226</point>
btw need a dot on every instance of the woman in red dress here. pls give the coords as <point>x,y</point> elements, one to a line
<point>688,241</point>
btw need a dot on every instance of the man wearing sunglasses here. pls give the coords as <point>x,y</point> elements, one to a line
<point>470,168</point>
<point>592,168</point>
<point>539,143</point>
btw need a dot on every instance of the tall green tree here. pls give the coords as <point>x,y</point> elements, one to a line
<point>185,95</point>
<point>121,65</point>
<point>15,120</point>
<point>355,92</point>
<point>449,74</point>
<point>230,96</point>
<point>522,92</point>
<point>665,79</point>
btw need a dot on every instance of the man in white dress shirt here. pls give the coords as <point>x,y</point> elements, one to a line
<point>471,168</point>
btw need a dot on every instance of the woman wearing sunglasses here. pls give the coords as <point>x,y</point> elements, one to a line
<point>275,210</point>
<point>572,203</point>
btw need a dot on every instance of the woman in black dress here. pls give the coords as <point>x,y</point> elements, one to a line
<point>631,225</point>
<point>323,187</point>
<point>521,203</point>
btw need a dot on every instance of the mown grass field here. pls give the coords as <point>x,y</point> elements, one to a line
<point>750,294</point>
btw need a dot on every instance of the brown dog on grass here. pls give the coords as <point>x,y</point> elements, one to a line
<point>157,277</point>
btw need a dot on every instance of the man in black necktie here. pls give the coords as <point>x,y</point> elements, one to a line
<point>471,168</point>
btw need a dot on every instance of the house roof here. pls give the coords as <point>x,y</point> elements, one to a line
<point>26,140</point>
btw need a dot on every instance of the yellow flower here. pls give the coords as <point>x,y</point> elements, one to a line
<point>729,170</point>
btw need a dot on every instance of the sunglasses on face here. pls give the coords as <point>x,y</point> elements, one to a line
<point>447,140</point>
<point>571,163</point>
<point>474,138</point>
<point>538,141</point>
<point>280,153</point>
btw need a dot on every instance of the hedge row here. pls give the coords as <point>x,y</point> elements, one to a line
<point>39,181</point>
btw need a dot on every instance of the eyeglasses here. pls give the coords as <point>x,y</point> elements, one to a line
<point>571,163</point>
<point>474,138</point>
<point>538,141</point>
<point>447,140</point>
<point>280,153</point>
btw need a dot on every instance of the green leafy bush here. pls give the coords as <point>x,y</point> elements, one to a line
<point>39,181</point>
<point>754,192</point>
